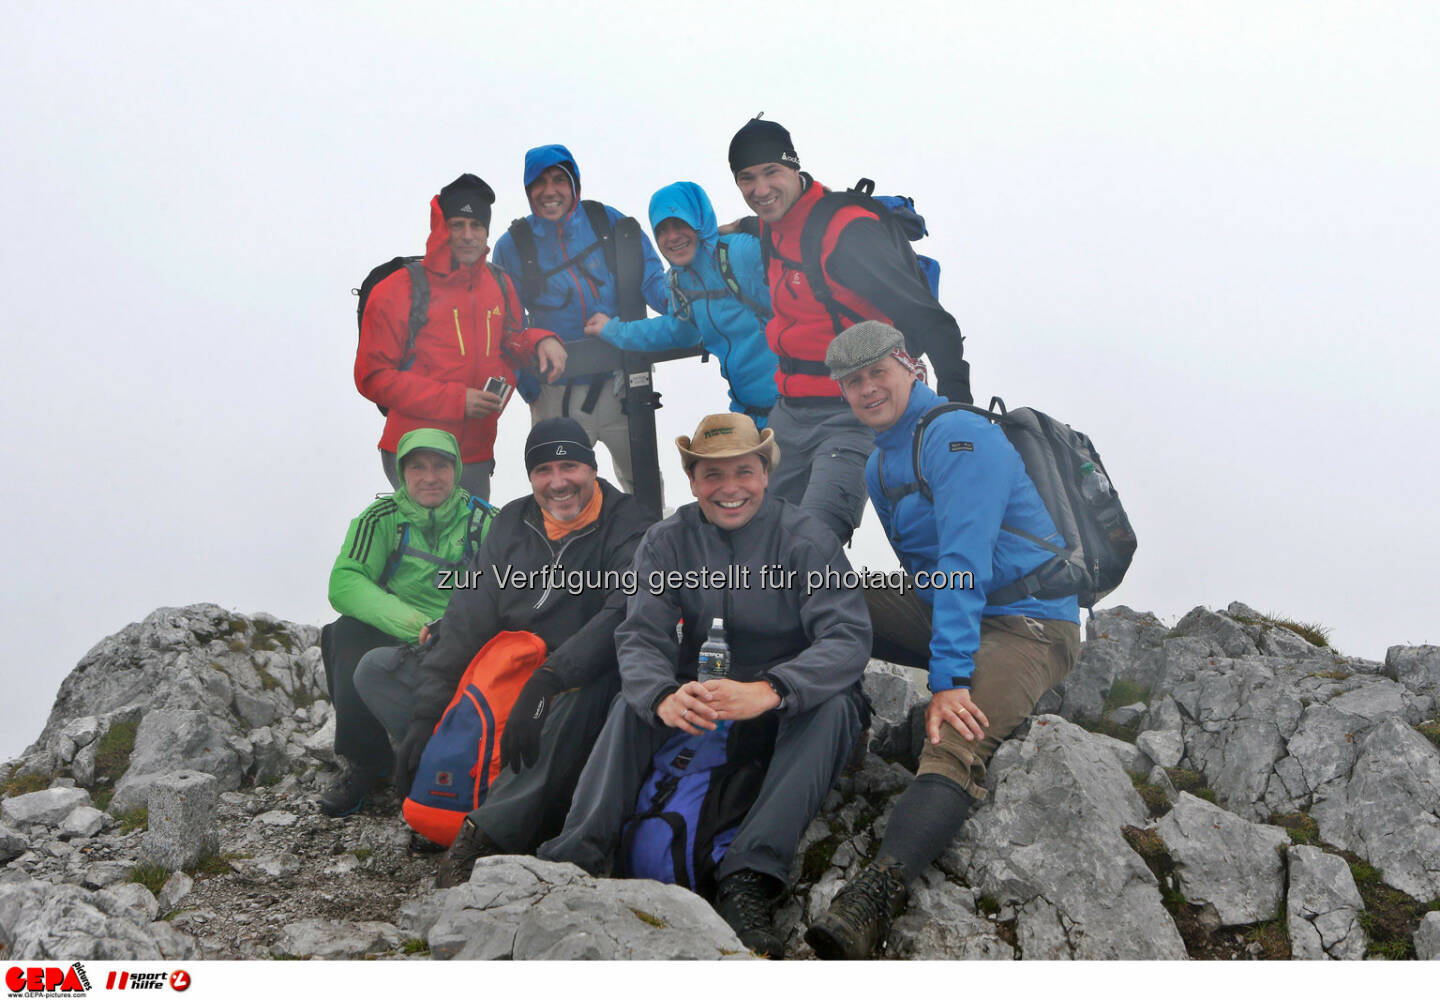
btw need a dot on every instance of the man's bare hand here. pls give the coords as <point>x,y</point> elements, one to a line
<point>688,709</point>
<point>550,356</point>
<point>738,700</point>
<point>595,324</point>
<point>955,708</point>
<point>479,403</point>
<point>424,634</point>
<point>731,228</point>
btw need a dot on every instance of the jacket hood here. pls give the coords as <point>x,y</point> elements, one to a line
<point>436,440</point>
<point>541,158</point>
<point>437,245</point>
<point>688,202</point>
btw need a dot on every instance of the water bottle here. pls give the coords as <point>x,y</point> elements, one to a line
<point>715,654</point>
<point>715,662</point>
<point>1094,487</point>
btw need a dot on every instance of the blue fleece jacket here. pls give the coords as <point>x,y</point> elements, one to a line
<point>703,309</point>
<point>979,483</point>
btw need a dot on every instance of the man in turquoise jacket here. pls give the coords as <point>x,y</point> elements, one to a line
<point>559,262</point>
<point>991,650</point>
<point>388,581</point>
<point>718,297</point>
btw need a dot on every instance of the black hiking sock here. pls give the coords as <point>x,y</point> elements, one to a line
<point>925,820</point>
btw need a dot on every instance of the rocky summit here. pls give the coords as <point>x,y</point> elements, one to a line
<point>1223,788</point>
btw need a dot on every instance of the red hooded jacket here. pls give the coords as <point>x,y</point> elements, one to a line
<point>473,330</point>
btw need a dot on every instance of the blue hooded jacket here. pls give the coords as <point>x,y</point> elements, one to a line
<point>573,293</point>
<point>979,483</point>
<point>703,310</point>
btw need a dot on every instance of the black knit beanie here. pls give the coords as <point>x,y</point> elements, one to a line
<point>762,142</point>
<point>558,439</point>
<point>468,196</point>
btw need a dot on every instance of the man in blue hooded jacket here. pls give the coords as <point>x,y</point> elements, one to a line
<point>991,650</point>
<point>718,297</point>
<point>559,261</point>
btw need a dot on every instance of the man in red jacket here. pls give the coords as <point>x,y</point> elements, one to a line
<point>869,272</point>
<point>474,330</point>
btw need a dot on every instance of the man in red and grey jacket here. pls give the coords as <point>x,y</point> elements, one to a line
<point>871,275</point>
<point>474,330</point>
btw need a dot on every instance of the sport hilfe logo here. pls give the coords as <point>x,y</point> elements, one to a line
<point>178,980</point>
<point>46,980</point>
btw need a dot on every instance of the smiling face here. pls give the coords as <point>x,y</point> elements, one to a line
<point>468,239</point>
<point>730,490</point>
<point>429,477</point>
<point>769,189</point>
<point>879,393</point>
<point>677,241</point>
<point>551,194</point>
<point>562,489</point>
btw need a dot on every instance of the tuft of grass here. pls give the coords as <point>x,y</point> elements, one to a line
<point>1126,692</point>
<point>817,859</point>
<point>152,877</point>
<point>100,797</point>
<point>1105,727</point>
<point>112,755</point>
<point>1430,730</point>
<point>1152,795</point>
<point>1331,675</point>
<point>988,905</point>
<point>238,645</point>
<point>1302,829</point>
<point>24,786</point>
<point>1312,632</point>
<point>211,864</point>
<point>1273,936</point>
<point>134,819</point>
<point>649,918</point>
<point>415,946</point>
<point>1390,917</point>
<point>1193,782</point>
<point>361,853</point>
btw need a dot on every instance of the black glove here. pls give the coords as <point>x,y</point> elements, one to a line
<point>407,754</point>
<point>520,743</point>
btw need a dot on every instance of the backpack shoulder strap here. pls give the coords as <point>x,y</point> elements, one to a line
<point>512,308</point>
<point>419,306</point>
<point>812,242</point>
<point>529,251</point>
<point>392,563</point>
<point>603,228</point>
<point>727,275</point>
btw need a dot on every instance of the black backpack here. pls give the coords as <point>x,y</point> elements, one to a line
<point>1101,540</point>
<point>896,213</point>
<point>532,279</point>
<point>419,301</point>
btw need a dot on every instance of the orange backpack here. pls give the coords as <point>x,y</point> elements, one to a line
<point>462,759</point>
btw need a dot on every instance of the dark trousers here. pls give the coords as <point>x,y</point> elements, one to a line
<point>900,627</point>
<point>810,751</point>
<point>359,736</point>
<point>524,809</point>
<point>823,448</point>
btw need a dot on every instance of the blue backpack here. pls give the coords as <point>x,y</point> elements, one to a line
<point>698,793</point>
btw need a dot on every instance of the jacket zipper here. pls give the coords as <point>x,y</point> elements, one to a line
<point>554,563</point>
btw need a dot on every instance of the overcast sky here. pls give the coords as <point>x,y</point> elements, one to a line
<point>1206,234</point>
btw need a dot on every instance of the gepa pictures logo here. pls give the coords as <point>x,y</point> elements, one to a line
<point>46,980</point>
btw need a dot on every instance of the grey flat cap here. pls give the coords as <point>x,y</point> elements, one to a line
<point>862,344</point>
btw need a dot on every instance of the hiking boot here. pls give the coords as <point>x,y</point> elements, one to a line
<point>745,901</point>
<point>349,790</point>
<point>470,846</point>
<point>858,921</point>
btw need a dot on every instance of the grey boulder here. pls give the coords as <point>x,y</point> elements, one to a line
<point>1221,860</point>
<point>47,807</point>
<point>1323,907</point>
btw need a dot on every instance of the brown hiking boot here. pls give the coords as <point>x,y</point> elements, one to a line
<point>470,845</point>
<point>858,921</point>
<point>745,900</point>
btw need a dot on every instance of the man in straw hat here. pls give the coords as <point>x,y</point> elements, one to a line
<point>991,651</point>
<point>799,642</point>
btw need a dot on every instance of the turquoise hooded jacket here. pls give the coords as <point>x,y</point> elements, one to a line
<point>704,310</point>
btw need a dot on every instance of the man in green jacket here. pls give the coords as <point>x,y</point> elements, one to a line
<point>390,579</point>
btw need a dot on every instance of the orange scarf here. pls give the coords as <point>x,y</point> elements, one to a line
<point>556,529</point>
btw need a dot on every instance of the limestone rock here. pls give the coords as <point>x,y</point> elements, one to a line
<point>182,820</point>
<point>1388,811</point>
<point>135,896</point>
<point>893,695</point>
<point>1416,667</point>
<point>12,844</point>
<point>1048,844</point>
<point>1323,907</point>
<point>524,908</point>
<point>1165,748</point>
<point>172,740</point>
<point>83,821</point>
<point>175,889</point>
<point>1220,859</point>
<point>47,807</point>
<point>338,938</point>
<point>940,922</point>
<point>43,921</point>
<point>1223,634</point>
<point>1427,938</point>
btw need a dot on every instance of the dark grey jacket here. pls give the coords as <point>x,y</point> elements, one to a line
<point>578,628</point>
<point>810,647</point>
